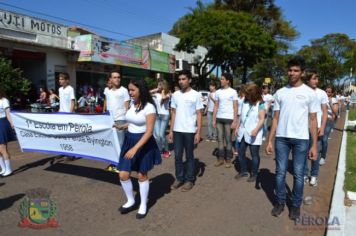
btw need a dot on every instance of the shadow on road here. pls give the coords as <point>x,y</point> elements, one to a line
<point>160,186</point>
<point>9,201</point>
<point>84,171</point>
<point>266,182</point>
<point>34,164</point>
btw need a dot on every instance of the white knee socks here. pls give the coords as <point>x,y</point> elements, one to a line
<point>8,170</point>
<point>144,189</point>
<point>128,189</point>
<point>2,165</point>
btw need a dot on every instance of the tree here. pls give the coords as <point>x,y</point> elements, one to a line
<point>267,14</point>
<point>232,39</point>
<point>11,79</point>
<point>332,56</point>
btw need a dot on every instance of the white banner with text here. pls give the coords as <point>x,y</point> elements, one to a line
<point>88,136</point>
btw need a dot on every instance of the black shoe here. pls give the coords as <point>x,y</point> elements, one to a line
<point>240,175</point>
<point>294,213</point>
<point>125,210</point>
<point>277,209</point>
<point>252,178</point>
<point>140,216</point>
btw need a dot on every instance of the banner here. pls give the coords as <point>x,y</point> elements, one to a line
<point>88,136</point>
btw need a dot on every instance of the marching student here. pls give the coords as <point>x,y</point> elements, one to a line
<point>6,134</point>
<point>312,80</point>
<point>161,96</point>
<point>249,130</point>
<point>212,136</point>
<point>139,151</point>
<point>66,94</point>
<point>117,102</point>
<point>268,99</point>
<point>186,122</point>
<point>295,110</point>
<point>225,118</point>
<point>333,108</point>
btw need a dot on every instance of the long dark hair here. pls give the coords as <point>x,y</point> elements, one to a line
<point>2,93</point>
<point>145,95</point>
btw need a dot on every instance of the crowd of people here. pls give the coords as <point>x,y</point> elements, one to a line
<point>301,117</point>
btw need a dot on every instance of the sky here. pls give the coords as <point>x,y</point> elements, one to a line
<point>121,20</point>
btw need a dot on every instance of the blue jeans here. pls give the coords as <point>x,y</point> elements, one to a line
<point>184,141</point>
<point>211,130</point>
<point>314,164</point>
<point>324,142</point>
<point>254,150</point>
<point>299,148</point>
<point>160,131</point>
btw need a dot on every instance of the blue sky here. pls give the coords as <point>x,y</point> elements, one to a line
<point>312,18</point>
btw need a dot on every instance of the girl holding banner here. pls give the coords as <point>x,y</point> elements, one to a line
<point>139,151</point>
<point>6,134</point>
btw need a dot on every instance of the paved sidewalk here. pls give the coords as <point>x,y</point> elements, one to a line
<point>88,198</point>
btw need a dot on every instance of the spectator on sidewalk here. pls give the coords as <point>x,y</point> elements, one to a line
<point>225,118</point>
<point>186,122</point>
<point>333,108</point>
<point>249,131</point>
<point>295,109</point>
<point>139,151</point>
<point>161,96</point>
<point>312,80</point>
<point>66,94</point>
<point>53,99</point>
<point>106,94</point>
<point>6,134</point>
<point>212,135</point>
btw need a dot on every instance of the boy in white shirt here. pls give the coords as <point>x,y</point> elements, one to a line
<point>312,80</point>
<point>66,94</point>
<point>295,107</point>
<point>117,102</point>
<point>184,132</point>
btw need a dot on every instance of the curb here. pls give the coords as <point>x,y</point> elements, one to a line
<point>338,209</point>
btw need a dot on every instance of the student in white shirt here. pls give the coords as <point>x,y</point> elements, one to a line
<point>240,101</point>
<point>66,94</point>
<point>295,107</point>
<point>333,108</point>
<point>185,128</point>
<point>140,151</point>
<point>212,135</point>
<point>225,118</point>
<point>6,134</point>
<point>249,130</point>
<point>312,80</point>
<point>268,100</point>
<point>161,96</point>
<point>117,103</point>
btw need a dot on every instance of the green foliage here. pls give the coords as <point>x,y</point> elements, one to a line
<point>265,13</point>
<point>232,39</point>
<point>350,174</point>
<point>331,55</point>
<point>11,79</point>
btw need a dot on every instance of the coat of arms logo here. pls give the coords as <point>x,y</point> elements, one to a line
<point>37,210</point>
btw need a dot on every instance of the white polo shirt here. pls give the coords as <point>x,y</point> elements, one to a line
<point>186,106</point>
<point>294,105</point>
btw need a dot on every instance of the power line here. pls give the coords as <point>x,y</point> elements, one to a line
<point>68,20</point>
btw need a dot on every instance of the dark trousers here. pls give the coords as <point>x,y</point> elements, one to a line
<point>184,141</point>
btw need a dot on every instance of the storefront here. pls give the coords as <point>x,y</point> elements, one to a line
<point>41,49</point>
<point>131,60</point>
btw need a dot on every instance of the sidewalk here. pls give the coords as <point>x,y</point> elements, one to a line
<point>88,198</point>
